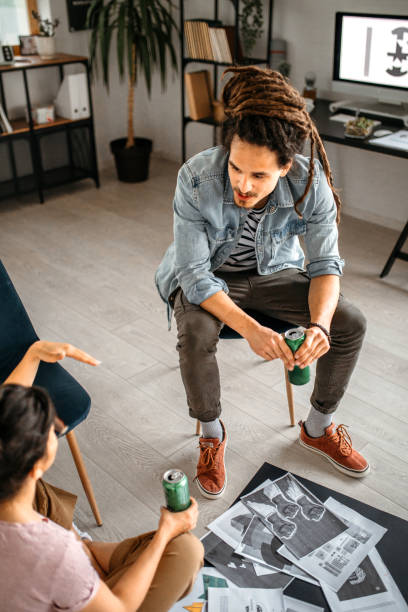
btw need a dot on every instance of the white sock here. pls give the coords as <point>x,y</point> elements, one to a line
<point>82,534</point>
<point>317,422</point>
<point>212,429</point>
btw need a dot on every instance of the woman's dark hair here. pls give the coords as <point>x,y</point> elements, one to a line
<point>263,109</point>
<point>26,416</point>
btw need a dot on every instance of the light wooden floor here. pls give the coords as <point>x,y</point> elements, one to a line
<point>84,263</point>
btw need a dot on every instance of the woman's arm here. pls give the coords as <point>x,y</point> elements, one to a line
<point>131,589</point>
<point>25,372</point>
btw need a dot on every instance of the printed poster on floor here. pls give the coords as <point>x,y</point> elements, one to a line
<point>333,562</point>
<point>261,546</point>
<point>239,570</point>
<point>369,587</point>
<point>245,600</point>
<point>294,515</point>
<point>196,600</point>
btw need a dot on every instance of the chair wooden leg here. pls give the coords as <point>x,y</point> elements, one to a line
<point>83,475</point>
<point>289,394</point>
<point>198,428</point>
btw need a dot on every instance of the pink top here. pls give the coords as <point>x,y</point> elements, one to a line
<point>43,568</point>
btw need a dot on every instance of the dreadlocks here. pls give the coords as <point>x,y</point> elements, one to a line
<point>262,108</point>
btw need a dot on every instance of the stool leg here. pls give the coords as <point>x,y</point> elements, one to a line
<point>198,428</point>
<point>83,475</point>
<point>289,394</point>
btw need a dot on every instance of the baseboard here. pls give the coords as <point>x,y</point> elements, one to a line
<point>372,217</point>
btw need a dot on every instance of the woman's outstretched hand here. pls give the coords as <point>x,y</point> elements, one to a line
<point>55,351</point>
<point>41,350</point>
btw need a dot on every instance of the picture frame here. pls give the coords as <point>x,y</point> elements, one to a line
<point>77,12</point>
<point>28,45</point>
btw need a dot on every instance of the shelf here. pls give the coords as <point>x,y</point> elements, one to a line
<point>25,185</point>
<point>34,61</point>
<point>51,178</point>
<point>21,126</point>
<point>64,174</point>
<point>206,120</point>
<point>204,49</point>
<point>242,62</point>
<point>80,150</point>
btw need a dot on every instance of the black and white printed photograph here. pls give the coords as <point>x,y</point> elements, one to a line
<point>294,515</point>
<point>363,582</point>
<point>232,524</point>
<point>334,562</point>
<point>240,571</point>
<point>260,545</point>
<point>370,586</point>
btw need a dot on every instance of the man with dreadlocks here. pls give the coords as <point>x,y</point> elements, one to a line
<point>239,210</point>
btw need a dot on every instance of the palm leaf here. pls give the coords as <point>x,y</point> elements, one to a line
<point>121,39</point>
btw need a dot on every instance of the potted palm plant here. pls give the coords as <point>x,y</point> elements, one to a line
<point>144,31</point>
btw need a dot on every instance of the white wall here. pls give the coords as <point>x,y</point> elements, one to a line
<point>373,186</point>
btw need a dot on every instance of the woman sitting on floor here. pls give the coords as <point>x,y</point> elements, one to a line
<point>43,566</point>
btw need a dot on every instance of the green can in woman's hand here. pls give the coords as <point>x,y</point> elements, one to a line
<point>294,338</point>
<point>176,490</point>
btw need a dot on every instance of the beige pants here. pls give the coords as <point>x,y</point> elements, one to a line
<point>175,575</point>
<point>56,504</point>
<point>176,572</point>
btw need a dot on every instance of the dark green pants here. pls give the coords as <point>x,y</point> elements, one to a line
<point>284,296</point>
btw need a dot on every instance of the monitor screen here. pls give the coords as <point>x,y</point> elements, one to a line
<point>371,49</point>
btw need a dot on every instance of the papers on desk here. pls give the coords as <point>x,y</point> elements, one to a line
<point>397,140</point>
<point>341,117</point>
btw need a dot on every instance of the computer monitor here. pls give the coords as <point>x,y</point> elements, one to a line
<point>371,57</point>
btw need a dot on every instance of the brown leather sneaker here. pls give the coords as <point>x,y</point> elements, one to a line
<point>336,446</point>
<point>211,476</point>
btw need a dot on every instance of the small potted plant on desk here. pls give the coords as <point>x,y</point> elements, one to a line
<point>45,40</point>
<point>144,30</point>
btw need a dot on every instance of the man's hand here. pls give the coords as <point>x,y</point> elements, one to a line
<point>55,351</point>
<point>270,345</point>
<point>315,345</point>
<point>172,524</point>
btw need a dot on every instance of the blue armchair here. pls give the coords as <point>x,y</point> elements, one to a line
<point>71,401</point>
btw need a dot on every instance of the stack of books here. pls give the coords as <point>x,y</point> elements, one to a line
<point>199,94</point>
<point>210,40</point>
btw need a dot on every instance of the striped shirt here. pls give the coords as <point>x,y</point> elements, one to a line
<point>243,257</point>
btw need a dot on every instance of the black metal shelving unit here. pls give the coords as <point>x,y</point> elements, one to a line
<point>185,119</point>
<point>79,135</point>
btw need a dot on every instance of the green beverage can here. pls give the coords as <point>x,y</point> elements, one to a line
<point>294,338</point>
<point>176,490</point>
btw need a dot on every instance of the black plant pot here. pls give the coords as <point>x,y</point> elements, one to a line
<point>132,164</point>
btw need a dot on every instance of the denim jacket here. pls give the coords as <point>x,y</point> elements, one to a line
<point>208,225</point>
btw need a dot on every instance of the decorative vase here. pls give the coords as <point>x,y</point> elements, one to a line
<point>46,46</point>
